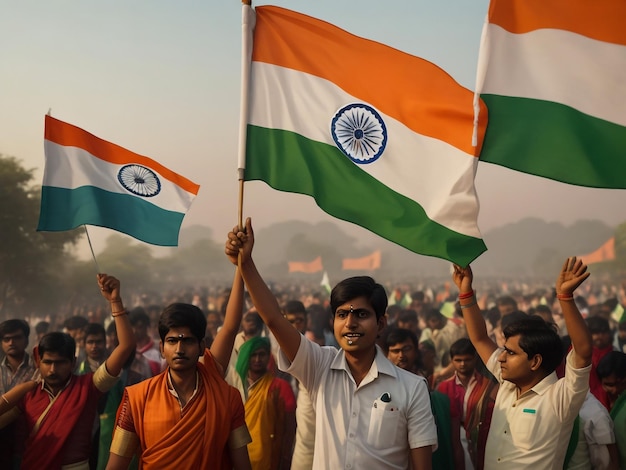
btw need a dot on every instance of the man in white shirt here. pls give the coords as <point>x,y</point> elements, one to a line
<point>369,413</point>
<point>534,412</point>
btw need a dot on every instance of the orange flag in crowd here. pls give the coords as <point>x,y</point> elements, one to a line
<point>605,253</point>
<point>367,263</point>
<point>314,266</point>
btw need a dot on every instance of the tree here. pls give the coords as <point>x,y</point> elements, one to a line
<point>31,263</point>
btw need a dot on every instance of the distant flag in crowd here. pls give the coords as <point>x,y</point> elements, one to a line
<point>553,75</point>
<point>366,263</point>
<point>325,283</point>
<point>314,266</point>
<point>89,181</point>
<point>606,252</point>
<point>378,137</point>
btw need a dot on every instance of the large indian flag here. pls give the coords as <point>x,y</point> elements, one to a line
<point>378,137</point>
<point>553,75</point>
<point>90,181</point>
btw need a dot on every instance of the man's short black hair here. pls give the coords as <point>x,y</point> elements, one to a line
<point>294,306</point>
<point>76,322</point>
<point>42,327</point>
<point>13,325</point>
<point>95,329</point>
<point>537,337</point>
<point>612,363</point>
<point>598,325</point>
<point>179,315</point>
<point>57,343</point>
<point>434,314</point>
<point>138,316</point>
<point>513,317</point>
<point>359,286</point>
<point>462,347</point>
<point>407,315</point>
<point>399,335</point>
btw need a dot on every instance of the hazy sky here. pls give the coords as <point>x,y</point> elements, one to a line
<point>162,79</point>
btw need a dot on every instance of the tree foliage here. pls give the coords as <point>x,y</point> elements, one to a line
<point>31,263</point>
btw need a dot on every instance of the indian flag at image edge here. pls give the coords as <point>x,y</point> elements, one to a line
<point>81,186</point>
<point>553,82</point>
<point>290,158</point>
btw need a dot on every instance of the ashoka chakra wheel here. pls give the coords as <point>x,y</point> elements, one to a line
<point>139,180</point>
<point>359,132</point>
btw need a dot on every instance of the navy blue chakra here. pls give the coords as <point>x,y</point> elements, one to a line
<point>139,180</point>
<point>359,132</point>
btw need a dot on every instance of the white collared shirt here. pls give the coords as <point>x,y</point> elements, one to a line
<point>355,429</point>
<point>533,431</point>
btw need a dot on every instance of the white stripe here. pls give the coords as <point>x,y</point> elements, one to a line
<point>435,174</point>
<point>559,66</point>
<point>73,167</point>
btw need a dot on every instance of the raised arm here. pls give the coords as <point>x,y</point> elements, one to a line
<point>239,250</point>
<point>222,346</point>
<point>474,321</point>
<point>573,273</point>
<point>110,289</point>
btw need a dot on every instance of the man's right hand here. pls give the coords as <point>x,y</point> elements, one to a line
<point>240,241</point>
<point>463,278</point>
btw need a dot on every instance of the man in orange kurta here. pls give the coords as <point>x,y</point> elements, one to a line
<point>187,416</point>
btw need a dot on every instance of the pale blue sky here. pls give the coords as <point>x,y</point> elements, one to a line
<point>162,79</point>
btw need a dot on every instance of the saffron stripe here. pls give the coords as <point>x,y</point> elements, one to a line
<point>405,87</point>
<point>602,20</point>
<point>68,135</point>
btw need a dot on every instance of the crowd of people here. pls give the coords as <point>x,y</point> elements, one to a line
<point>370,378</point>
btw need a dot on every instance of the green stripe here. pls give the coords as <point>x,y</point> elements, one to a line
<point>554,141</point>
<point>65,209</point>
<point>289,162</point>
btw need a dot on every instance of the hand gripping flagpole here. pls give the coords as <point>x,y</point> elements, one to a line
<point>247,26</point>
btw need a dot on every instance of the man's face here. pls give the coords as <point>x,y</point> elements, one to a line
<point>249,325</point>
<point>181,349</point>
<point>356,327</point>
<point>464,364</point>
<point>95,347</point>
<point>505,309</point>
<point>613,386</point>
<point>78,334</point>
<point>112,341</point>
<point>55,369</point>
<point>403,354</point>
<point>408,325</point>
<point>514,362</point>
<point>601,340</point>
<point>259,360</point>
<point>14,344</point>
<point>428,357</point>
<point>298,320</point>
<point>434,323</point>
<point>140,329</point>
<point>213,322</point>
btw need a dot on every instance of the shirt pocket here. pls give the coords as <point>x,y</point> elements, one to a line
<point>383,426</point>
<point>523,427</point>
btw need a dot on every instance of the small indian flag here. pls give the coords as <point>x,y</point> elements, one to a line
<point>378,137</point>
<point>553,76</point>
<point>90,181</point>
